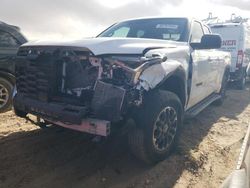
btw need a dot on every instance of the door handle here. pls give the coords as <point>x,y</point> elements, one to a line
<point>199,84</point>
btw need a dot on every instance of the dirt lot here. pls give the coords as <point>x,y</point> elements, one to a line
<point>55,157</point>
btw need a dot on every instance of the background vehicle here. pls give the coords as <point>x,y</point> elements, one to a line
<point>248,70</point>
<point>248,59</point>
<point>151,71</point>
<point>235,39</point>
<point>10,40</point>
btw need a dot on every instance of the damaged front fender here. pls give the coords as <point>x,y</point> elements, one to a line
<point>158,73</point>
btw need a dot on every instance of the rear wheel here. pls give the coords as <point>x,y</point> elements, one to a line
<point>241,84</point>
<point>6,89</point>
<point>158,123</point>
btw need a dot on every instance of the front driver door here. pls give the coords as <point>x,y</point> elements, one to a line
<point>200,86</point>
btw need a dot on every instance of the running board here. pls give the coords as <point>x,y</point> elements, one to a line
<point>196,109</point>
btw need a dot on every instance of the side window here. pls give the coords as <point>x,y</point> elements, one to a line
<point>121,32</point>
<point>206,30</point>
<point>7,40</point>
<point>197,33</point>
<point>140,34</point>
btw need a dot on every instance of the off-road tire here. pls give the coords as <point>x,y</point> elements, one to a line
<point>140,139</point>
<point>20,113</point>
<point>6,86</point>
<point>241,84</point>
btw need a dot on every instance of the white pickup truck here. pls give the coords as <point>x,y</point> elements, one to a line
<point>151,71</point>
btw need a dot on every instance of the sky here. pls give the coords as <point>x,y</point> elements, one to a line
<point>77,19</point>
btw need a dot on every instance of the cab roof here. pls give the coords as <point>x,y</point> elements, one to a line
<point>3,24</point>
<point>13,30</point>
<point>157,17</point>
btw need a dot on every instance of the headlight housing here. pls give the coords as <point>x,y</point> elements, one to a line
<point>133,65</point>
<point>122,69</point>
<point>130,61</point>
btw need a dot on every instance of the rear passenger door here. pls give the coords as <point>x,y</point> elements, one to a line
<point>8,49</point>
<point>201,75</point>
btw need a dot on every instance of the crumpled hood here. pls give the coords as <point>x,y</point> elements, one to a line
<point>107,45</point>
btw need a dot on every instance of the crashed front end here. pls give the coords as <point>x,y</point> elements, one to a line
<point>71,87</point>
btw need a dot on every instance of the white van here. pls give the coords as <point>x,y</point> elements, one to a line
<point>235,40</point>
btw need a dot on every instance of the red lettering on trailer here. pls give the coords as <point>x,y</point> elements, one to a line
<point>229,43</point>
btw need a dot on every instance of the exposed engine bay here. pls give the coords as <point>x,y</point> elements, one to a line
<point>71,84</point>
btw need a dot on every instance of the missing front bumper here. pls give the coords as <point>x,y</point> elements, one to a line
<point>107,104</point>
<point>53,111</point>
<point>91,126</point>
<point>66,116</point>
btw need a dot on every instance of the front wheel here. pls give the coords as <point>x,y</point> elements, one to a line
<point>158,122</point>
<point>19,113</point>
<point>6,89</point>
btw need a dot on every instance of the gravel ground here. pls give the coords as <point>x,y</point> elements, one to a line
<point>207,151</point>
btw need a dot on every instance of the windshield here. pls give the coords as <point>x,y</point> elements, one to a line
<point>157,28</point>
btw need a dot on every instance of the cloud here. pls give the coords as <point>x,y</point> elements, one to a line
<point>241,4</point>
<point>53,16</point>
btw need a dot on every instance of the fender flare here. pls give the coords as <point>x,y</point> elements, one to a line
<point>8,76</point>
<point>227,70</point>
<point>156,75</point>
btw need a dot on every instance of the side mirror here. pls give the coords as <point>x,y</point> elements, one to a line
<point>210,41</point>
